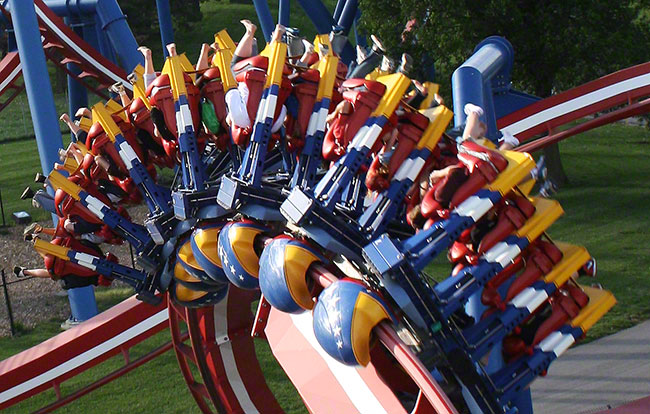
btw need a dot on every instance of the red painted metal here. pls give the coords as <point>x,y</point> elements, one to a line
<point>596,106</point>
<point>9,78</point>
<point>641,406</point>
<point>78,349</point>
<point>635,109</point>
<point>130,366</point>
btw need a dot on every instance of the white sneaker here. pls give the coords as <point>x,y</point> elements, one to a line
<point>70,323</point>
<point>471,108</point>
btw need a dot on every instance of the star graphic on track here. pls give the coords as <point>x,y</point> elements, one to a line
<point>241,277</point>
<point>339,344</point>
<point>232,269</point>
<point>337,331</point>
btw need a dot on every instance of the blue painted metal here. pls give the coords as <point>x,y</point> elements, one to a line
<point>118,31</point>
<point>265,18</point>
<point>338,9</point>
<point>485,72</point>
<point>113,22</point>
<point>348,15</point>
<point>284,7</point>
<point>165,23</point>
<point>77,93</point>
<point>320,17</point>
<point>37,83</point>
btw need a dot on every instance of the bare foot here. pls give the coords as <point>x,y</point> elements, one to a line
<point>83,112</point>
<point>278,32</point>
<point>64,117</point>
<point>309,48</point>
<point>171,49</point>
<point>250,27</point>
<point>146,52</point>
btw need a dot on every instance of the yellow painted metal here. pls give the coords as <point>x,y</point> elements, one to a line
<point>600,302</point>
<point>440,118</point>
<point>327,68</point>
<point>573,257</point>
<point>546,212</point>
<point>396,85</point>
<point>222,59</point>
<point>57,180</point>
<point>182,274</point>
<point>241,240</point>
<point>296,262</point>
<point>85,123</point>
<point>323,39</point>
<point>368,313</point>
<point>174,69</point>
<point>70,165</point>
<point>277,56</point>
<point>519,165</point>
<point>101,115</point>
<point>187,295</point>
<point>432,89</point>
<point>224,41</point>
<point>207,241</point>
<point>44,248</point>
<point>185,254</point>
<point>115,109</point>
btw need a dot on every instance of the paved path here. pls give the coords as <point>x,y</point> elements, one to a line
<point>606,373</point>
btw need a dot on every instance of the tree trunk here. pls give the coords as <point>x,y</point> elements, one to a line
<point>554,166</point>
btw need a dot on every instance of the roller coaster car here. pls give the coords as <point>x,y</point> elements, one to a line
<point>362,98</point>
<point>563,306</point>
<point>305,89</point>
<point>99,143</point>
<point>410,127</point>
<point>239,251</point>
<point>140,116</point>
<point>213,106</point>
<point>480,166</point>
<point>252,72</point>
<point>160,95</point>
<point>68,207</point>
<point>61,268</point>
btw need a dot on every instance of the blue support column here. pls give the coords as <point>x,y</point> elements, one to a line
<point>283,12</point>
<point>41,106</point>
<point>338,9</point>
<point>320,17</point>
<point>77,93</point>
<point>318,14</point>
<point>119,33</point>
<point>472,81</point>
<point>265,18</point>
<point>348,15</point>
<point>165,23</point>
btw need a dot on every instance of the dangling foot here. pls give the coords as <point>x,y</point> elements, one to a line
<point>361,54</point>
<point>406,64</point>
<point>19,271</point>
<point>589,268</point>
<point>377,44</point>
<point>471,108</point>
<point>39,178</point>
<point>146,52</point>
<point>132,78</point>
<point>548,189</point>
<point>28,193</point>
<point>32,229</point>
<point>171,49</point>
<point>387,64</point>
<point>116,88</point>
<point>250,27</point>
<point>278,33</point>
<point>309,47</point>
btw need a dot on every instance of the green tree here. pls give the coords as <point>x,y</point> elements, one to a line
<point>558,44</point>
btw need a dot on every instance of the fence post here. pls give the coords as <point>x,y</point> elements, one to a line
<point>2,208</point>
<point>9,313</point>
